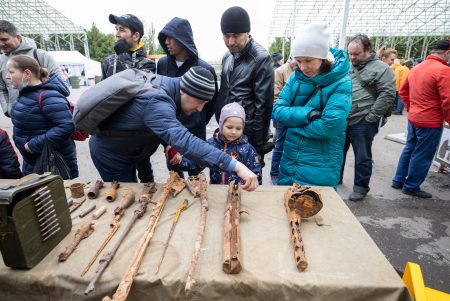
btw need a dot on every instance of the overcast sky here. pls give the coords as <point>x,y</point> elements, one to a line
<point>204,17</point>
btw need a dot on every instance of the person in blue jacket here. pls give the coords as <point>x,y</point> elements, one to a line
<point>136,129</point>
<point>314,105</point>
<point>229,138</point>
<point>35,123</point>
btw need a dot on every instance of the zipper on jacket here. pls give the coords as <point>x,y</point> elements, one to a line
<point>223,172</point>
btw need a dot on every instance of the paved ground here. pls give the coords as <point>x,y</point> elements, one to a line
<point>404,228</point>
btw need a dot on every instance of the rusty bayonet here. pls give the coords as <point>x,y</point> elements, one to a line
<point>180,209</point>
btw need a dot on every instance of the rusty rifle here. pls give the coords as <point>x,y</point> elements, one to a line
<point>198,187</point>
<point>146,198</point>
<point>231,256</point>
<point>174,185</point>
<point>127,199</point>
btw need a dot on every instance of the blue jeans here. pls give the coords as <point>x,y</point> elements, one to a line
<point>278,151</point>
<point>398,104</point>
<point>360,137</point>
<point>417,156</point>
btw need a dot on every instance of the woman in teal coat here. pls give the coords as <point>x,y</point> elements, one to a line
<point>313,106</point>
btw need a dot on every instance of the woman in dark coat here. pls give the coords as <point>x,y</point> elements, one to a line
<point>41,113</point>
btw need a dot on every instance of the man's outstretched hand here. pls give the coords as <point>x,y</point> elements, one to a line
<point>250,179</point>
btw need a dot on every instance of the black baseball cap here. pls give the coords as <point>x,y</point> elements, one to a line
<point>441,45</point>
<point>130,21</point>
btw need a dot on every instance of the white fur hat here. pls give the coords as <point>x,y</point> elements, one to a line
<point>312,41</point>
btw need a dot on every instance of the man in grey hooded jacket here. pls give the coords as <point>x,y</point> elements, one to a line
<point>12,43</point>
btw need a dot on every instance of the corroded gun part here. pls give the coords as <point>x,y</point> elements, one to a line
<point>84,231</point>
<point>100,211</point>
<point>77,190</point>
<point>146,196</point>
<point>300,202</point>
<point>76,205</point>
<point>93,191</point>
<point>202,194</point>
<point>111,193</point>
<point>173,185</point>
<point>128,198</point>
<point>231,256</point>
<point>87,210</point>
<point>180,209</point>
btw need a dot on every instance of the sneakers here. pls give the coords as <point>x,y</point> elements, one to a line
<point>420,193</point>
<point>356,196</point>
<point>396,186</point>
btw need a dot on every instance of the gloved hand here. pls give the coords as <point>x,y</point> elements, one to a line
<point>121,46</point>
<point>314,114</point>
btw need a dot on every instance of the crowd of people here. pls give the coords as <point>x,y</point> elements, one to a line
<point>322,100</point>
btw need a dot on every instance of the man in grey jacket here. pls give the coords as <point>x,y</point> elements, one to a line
<point>12,43</point>
<point>373,93</point>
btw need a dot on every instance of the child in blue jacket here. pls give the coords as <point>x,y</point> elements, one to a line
<point>229,138</point>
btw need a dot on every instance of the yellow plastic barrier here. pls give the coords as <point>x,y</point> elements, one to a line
<point>413,279</point>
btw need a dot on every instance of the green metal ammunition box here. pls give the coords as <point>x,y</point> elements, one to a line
<point>34,218</point>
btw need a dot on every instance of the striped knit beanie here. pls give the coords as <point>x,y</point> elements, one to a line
<point>199,83</point>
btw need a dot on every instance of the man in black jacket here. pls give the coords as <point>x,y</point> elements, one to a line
<point>130,51</point>
<point>247,77</point>
<point>177,40</point>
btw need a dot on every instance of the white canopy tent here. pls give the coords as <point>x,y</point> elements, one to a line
<point>76,63</point>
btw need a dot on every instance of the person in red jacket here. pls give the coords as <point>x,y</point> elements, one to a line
<point>426,95</point>
<point>9,165</point>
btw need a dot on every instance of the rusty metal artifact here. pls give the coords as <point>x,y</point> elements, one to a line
<point>301,202</point>
<point>197,185</point>
<point>174,185</point>
<point>180,209</point>
<point>87,210</point>
<point>84,231</point>
<point>76,205</point>
<point>127,199</point>
<point>77,190</point>
<point>111,193</point>
<point>144,200</point>
<point>231,255</point>
<point>93,191</point>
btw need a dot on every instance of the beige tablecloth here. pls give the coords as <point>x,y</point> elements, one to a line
<point>344,262</point>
